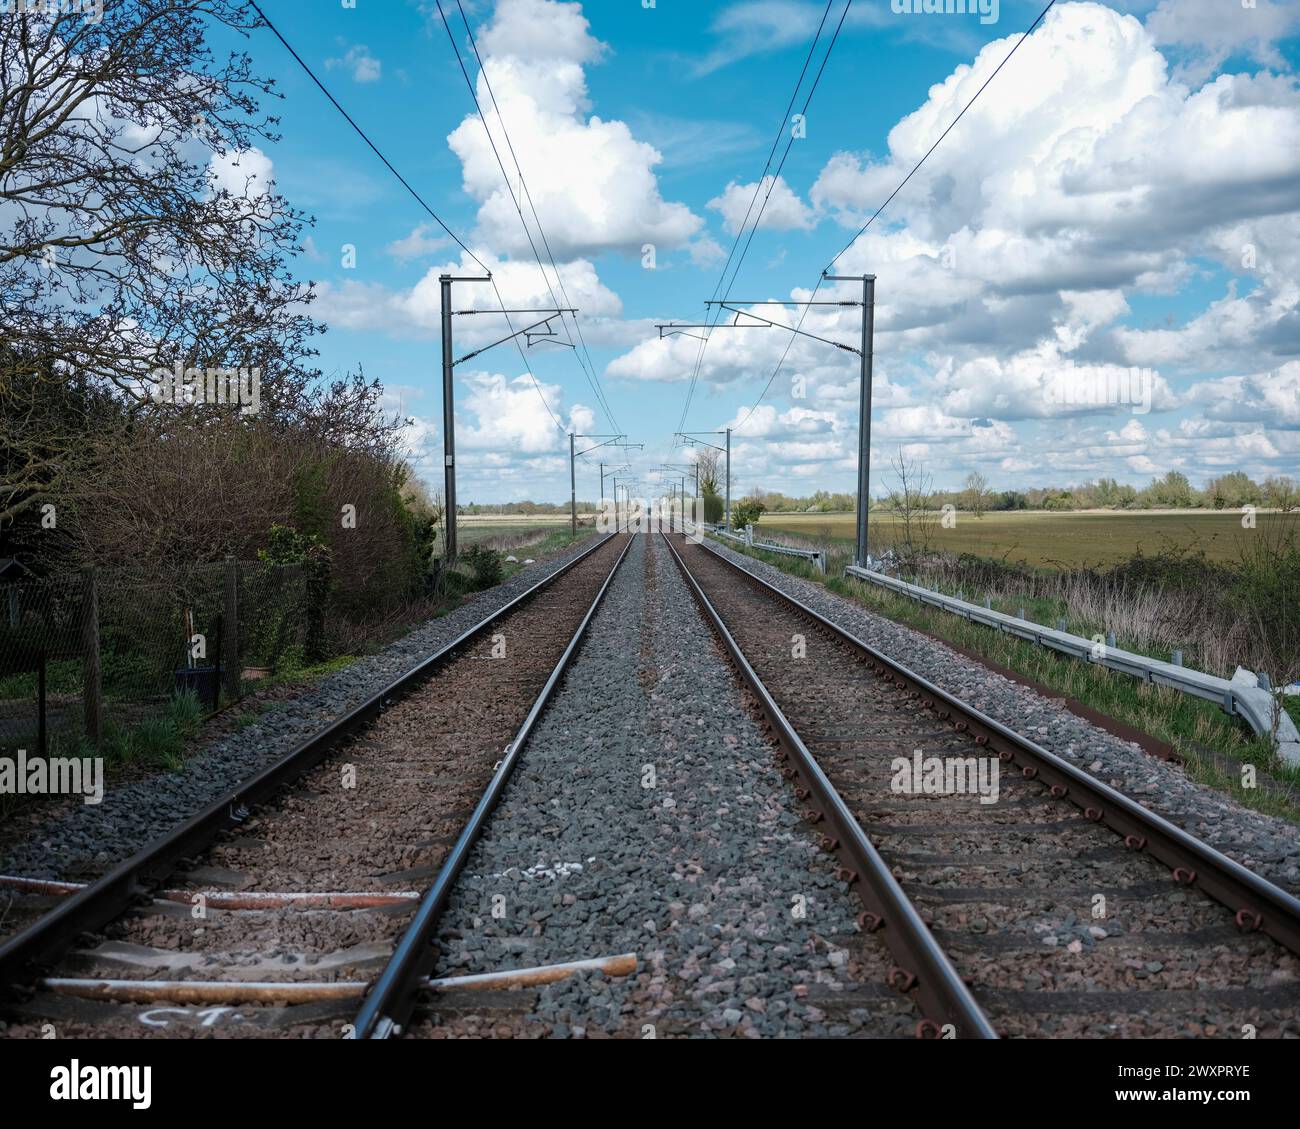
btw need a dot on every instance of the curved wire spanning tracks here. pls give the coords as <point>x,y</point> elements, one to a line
<point>320,877</point>
<point>965,893</point>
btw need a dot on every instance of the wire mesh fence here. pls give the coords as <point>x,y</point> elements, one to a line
<point>87,657</point>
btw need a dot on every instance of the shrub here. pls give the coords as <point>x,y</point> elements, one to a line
<point>1174,566</point>
<point>485,566</point>
<point>1266,594</point>
<point>287,546</point>
<point>713,507</point>
<point>746,512</point>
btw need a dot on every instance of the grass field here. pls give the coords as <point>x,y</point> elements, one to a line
<point>513,521</point>
<point>1036,538</point>
<point>515,532</point>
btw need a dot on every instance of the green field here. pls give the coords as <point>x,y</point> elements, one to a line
<point>1039,538</point>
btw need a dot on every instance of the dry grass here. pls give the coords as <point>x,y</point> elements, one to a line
<point>1150,620</point>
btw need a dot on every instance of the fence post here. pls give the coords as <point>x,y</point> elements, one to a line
<point>92,680</point>
<point>230,631</point>
<point>42,737</point>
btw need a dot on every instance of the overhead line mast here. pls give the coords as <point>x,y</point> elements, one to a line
<point>449,444</point>
<point>449,362</point>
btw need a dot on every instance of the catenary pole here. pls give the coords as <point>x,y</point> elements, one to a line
<point>448,423</point>
<point>864,405</point>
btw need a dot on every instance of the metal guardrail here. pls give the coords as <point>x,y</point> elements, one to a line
<point>817,557</point>
<point>1240,695</point>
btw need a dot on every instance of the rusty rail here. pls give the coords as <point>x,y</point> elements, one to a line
<point>389,1005</point>
<point>943,997</point>
<point>87,910</point>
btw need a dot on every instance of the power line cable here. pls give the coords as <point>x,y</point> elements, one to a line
<point>418,198</point>
<point>716,316</point>
<point>364,137</point>
<point>1007,59</point>
<point>771,184</point>
<point>469,83</point>
<point>780,364</point>
<point>487,81</point>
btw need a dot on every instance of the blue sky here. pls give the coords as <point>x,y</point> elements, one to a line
<point>1117,212</point>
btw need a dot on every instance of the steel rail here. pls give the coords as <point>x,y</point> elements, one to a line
<point>388,1006</point>
<point>1257,905</point>
<point>46,939</point>
<point>943,996</point>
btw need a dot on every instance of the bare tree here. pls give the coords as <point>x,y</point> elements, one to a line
<point>912,500</point>
<point>1281,493</point>
<point>707,463</point>
<point>976,494</point>
<point>136,231</point>
<point>164,488</point>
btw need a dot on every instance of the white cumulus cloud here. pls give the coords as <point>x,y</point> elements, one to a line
<point>592,182</point>
<point>773,201</point>
<point>359,62</point>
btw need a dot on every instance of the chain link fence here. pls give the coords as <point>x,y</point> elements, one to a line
<point>87,658</point>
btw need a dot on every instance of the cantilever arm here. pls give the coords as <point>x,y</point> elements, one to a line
<point>780,325</point>
<point>510,337</point>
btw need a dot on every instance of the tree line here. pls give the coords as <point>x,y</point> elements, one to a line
<point>1174,490</point>
<point>523,509</point>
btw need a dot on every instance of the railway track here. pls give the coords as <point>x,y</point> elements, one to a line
<point>1030,900</point>
<point>1018,895</point>
<point>303,902</point>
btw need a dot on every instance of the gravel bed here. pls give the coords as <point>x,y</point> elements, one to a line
<point>698,874</point>
<point>82,841</point>
<point>1265,844</point>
